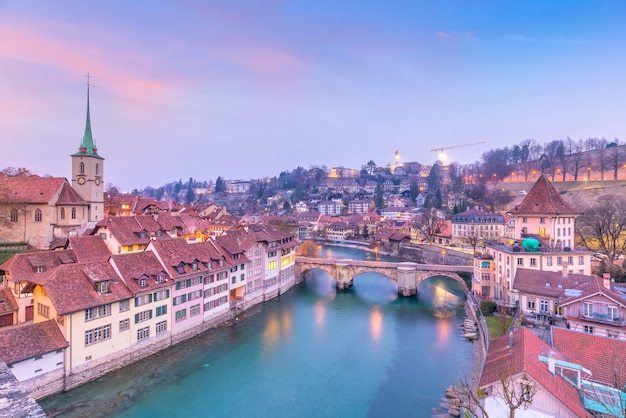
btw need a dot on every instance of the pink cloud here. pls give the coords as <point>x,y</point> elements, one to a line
<point>36,46</point>
<point>260,58</point>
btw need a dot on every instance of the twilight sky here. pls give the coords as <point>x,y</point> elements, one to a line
<point>247,89</point>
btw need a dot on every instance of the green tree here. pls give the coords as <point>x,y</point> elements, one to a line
<point>190,196</point>
<point>370,167</point>
<point>219,185</point>
<point>378,196</point>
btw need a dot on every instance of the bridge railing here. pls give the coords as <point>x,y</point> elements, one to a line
<point>387,264</point>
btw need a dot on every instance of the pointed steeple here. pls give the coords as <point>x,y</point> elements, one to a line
<point>88,145</point>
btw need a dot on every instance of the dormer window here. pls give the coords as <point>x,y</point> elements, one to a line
<point>180,268</point>
<point>103,286</point>
<point>142,234</point>
<point>194,266</point>
<point>160,277</point>
<point>143,282</point>
<point>39,269</point>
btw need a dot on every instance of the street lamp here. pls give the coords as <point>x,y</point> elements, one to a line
<point>443,256</point>
<point>376,252</point>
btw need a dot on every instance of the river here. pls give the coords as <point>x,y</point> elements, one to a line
<point>313,351</point>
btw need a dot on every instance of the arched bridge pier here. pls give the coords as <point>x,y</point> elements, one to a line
<point>407,276</point>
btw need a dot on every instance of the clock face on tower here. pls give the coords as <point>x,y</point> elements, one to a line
<point>97,181</point>
<point>81,180</point>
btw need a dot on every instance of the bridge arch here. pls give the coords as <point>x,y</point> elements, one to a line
<point>407,276</point>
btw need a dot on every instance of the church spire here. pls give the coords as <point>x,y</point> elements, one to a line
<point>88,145</point>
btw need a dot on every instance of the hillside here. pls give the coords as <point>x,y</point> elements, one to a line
<point>576,193</point>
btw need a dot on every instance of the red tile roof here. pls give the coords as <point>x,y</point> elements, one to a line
<point>89,248</point>
<point>546,283</point>
<point>125,230</point>
<point>604,357</point>
<point>71,287</point>
<point>32,189</point>
<point>593,286</point>
<point>504,359</point>
<point>7,302</point>
<point>133,266</point>
<point>28,341</point>
<point>68,196</point>
<point>543,199</point>
<point>24,266</point>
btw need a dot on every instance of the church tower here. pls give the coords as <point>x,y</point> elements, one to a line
<point>88,172</point>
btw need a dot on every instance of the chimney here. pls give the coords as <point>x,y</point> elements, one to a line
<point>551,363</point>
<point>565,269</point>
<point>607,280</point>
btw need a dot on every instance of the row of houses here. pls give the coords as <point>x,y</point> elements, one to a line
<point>83,310</point>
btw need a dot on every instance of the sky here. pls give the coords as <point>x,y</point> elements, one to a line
<point>247,89</point>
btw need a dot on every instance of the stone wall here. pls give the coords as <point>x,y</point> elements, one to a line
<point>430,254</point>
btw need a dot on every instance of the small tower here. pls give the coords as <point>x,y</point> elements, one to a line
<point>88,171</point>
<point>397,158</point>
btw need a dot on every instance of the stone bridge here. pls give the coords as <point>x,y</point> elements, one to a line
<point>407,276</point>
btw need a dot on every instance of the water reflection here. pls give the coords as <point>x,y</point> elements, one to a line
<point>444,330</point>
<point>271,333</point>
<point>376,323</point>
<point>319,312</point>
<point>375,288</point>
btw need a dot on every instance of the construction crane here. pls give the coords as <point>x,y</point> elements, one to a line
<point>440,150</point>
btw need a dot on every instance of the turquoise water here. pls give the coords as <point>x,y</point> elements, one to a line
<point>313,351</point>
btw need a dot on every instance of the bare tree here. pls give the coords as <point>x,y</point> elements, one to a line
<point>516,390</point>
<point>602,227</point>
<point>430,224</point>
<point>615,159</point>
<point>575,149</point>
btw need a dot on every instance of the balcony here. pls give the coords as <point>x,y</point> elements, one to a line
<point>602,319</point>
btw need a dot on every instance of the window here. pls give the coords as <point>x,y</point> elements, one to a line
<point>194,295</point>
<point>531,304</point>
<point>124,324</point>
<point>533,262</point>
<point>612,311</point>
<point>581,260</point>
<point>124,305</point>
<point>81,168</point>
<point>570,260</point>
<point>161,310</point>
<point>103,287</point>
<point>161,327</point>
<point>161,294</point>
<point>233,279</point>
<point>43,310</point>
<point>612,334</point>
<point>271,265</point>
<point>588,309</point>
<point>143,300</point>
<point>181,315</point>
<point>143,316</point>
<point>194,310</point>
<point>548,261</point>
<point>97,169</point>
<point>62,213</point>
<point>179,299</point>
<point>97,312</point>
<point>73,213</point>
<point>143,282</point>
<point>143,333</point>
<point>588,329</point>
<point>96,335</point>
<point>38,215</point>
<point>542,220</point>
<point>160,277</point>
<point>544,306</point>
<point>14,215</point>
<point>524,220</point>
<point>559,261</point>
<point>520,261</point>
